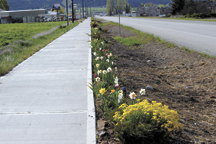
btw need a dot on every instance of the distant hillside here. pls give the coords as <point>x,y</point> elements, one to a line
<point>37,4</point>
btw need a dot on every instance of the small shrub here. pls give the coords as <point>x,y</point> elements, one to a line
<point>61,26</point>
<point>145,122</point>
<point>200,15</point>
<point>94,24</point>
<point>24,43</point>
<point>95,33</point>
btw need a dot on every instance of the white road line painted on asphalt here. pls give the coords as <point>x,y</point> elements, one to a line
<point>183,32</point>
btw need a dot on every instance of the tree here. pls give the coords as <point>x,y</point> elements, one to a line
<point>61,10</point>
<point>121,4</point>
<point>177,6</point>
<point>161,5</point>
<point>4,4</point>
<point>192,7</point>
<point>128,8</point>
<point>109,7</point>
<point>149,5</point>
<point>167,5</point>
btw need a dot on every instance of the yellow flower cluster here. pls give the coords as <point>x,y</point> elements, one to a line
<point>154,112</point>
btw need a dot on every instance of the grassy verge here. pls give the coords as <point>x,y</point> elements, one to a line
<point>143,38</point>
<point>193,19</point>
<point>23,31</point>
<point>139,39</point>
<point>18,51</point>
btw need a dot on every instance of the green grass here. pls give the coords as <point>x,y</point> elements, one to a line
<point>18,52</point>
<point>130,41</point>
<point>97,9</point>
<point>193,19</point>
<point>139,39</point>
<point>200,53</point>
<point>23,31</point>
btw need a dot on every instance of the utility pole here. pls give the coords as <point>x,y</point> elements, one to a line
<point>67,11</point>
<point>72,6</point>
<point>57,15</point>
<point>90,10</point>
<point>83,7</point>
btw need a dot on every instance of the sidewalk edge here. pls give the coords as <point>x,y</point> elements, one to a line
<point>91,118</point>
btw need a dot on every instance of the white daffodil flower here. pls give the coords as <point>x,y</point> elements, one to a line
<point>97,65</point>
<point>94,53</point>
<point>101,57</point>
<point>120,97</point>
<point>115,68</point>
<point>104,71</point>
<point>120,91</point>
<point>107,60</point>
<point>97,79</point>
<point>132,95</point>
<point>112,63</point>
<point>97,58</point>
<point>142,91</point>
<point>109,69</point>
<point>116,80</point>
<point>99,71</point>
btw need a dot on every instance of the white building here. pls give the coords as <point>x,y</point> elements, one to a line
<point>26,15</point>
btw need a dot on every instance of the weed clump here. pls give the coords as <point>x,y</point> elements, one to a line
<point>94,24</point>
<point>62,27</point>
<point>23,43</point>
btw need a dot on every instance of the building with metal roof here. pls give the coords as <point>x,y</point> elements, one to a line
<point>25,15</point>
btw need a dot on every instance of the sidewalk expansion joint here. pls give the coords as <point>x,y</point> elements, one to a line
<point>42,113</point>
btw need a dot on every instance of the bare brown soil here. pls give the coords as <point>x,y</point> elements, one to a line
<point>184,81</point>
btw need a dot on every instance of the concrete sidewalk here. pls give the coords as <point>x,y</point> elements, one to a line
<point>45,99</point>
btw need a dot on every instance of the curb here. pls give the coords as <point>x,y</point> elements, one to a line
<point>91,118</point>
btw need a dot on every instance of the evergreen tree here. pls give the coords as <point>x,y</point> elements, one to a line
<point>177,6</point>
<point>192,7</point>
<point>4,4</point>
<point>128,8</point>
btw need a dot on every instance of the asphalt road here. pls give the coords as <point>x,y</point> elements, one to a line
<point>196,35</point>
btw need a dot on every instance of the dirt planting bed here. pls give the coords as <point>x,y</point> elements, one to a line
<point>186,82</point>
